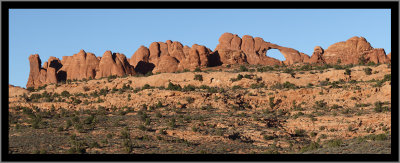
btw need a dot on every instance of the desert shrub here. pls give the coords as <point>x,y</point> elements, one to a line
<point>85,88</point>
<point>103,92</point>
<point>147,122</point>
<point>289,85</point>
<point>172,123</point>
<point>339,61</point>
<point>337,67</point>
<point>208,107</point>
<point>197,69</point>
<point>31,89</point>
<point>324,83</point>
<point>347,72</point>
<point>65,94</point>
<point>89,120</point>
<point>257,85</point>
<point>198,77</point>
<point>265,69</point>
<point>271,102</point>
<point>320,105</point>
<point>362,60</point>
<point>59,129</point>
<point>306,67</point>
<point>247,76</point>
<point>299,132</point>
<point>243,68</point>
<point>68,124</point>
<point>159,104</point>
<point>94,145</point>
<point>269,137</point>
<point>313,134</point>
<point>380,108</point>
<point>309,147</point>
<point>77,101</point>
<point>288,70</point>
<point>142,127</point>
<point>125,134</point>
<point>143,116</point>
<point>379,137</point>
<point>236,87</point>
<point>387,77</point>
<point>239,77</point>
<point>368,71</point>
<point>174,87</point>
<point>146,86</point>
<point>334,143</point>
<point>189,100</point>
<point>159,115</point>
<point>189,87</point>
<point>370,63</point>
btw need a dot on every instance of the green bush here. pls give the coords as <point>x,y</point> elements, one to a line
<point>146,86</point>
<point>347,72</point>
<point>334,142</point>
<point>31,89</point>
<point>172,123</point>
<point>174,87</point>
<point>299,132</point>
<point>368,71</point>
<point>189,100</point>
<point>198,77</point>
<point>269,137</point>
<point>188,88</point>
<point>380,108</point>
<point>289,85</point>
<point>311,146</point>
<point>65,94</point>
<point>257,85</point>
<point>239,77</point>
<point>236,87</point>
<point>243,68</point>
<point>265,69</point>
<point>197,69</point>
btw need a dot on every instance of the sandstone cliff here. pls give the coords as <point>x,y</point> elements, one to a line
<point>172,56</point>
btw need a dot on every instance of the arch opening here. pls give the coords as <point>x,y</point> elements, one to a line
<point>275,53</point>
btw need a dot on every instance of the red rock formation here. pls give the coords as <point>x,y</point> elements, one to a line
<point>166,64</point>
<point>389,56</point>
<point>172,56</point>
<point>377,56</point>
<point>348,52</point>
<point>80,66</point>
<point>34,74</point>
<point>180,57</point>
<point>114,64</point>
<point>353,51</point>
<point>316,57</point>
<point>142,54</point>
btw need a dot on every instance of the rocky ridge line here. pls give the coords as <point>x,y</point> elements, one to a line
<point>172,56</point>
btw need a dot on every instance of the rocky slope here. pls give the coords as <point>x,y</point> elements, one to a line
<point>221,109</point>
<point>172,56</point>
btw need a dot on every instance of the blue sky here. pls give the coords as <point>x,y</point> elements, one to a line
<point>63,32</point>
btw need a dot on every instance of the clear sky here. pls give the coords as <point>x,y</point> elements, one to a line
<point>56,32</point>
